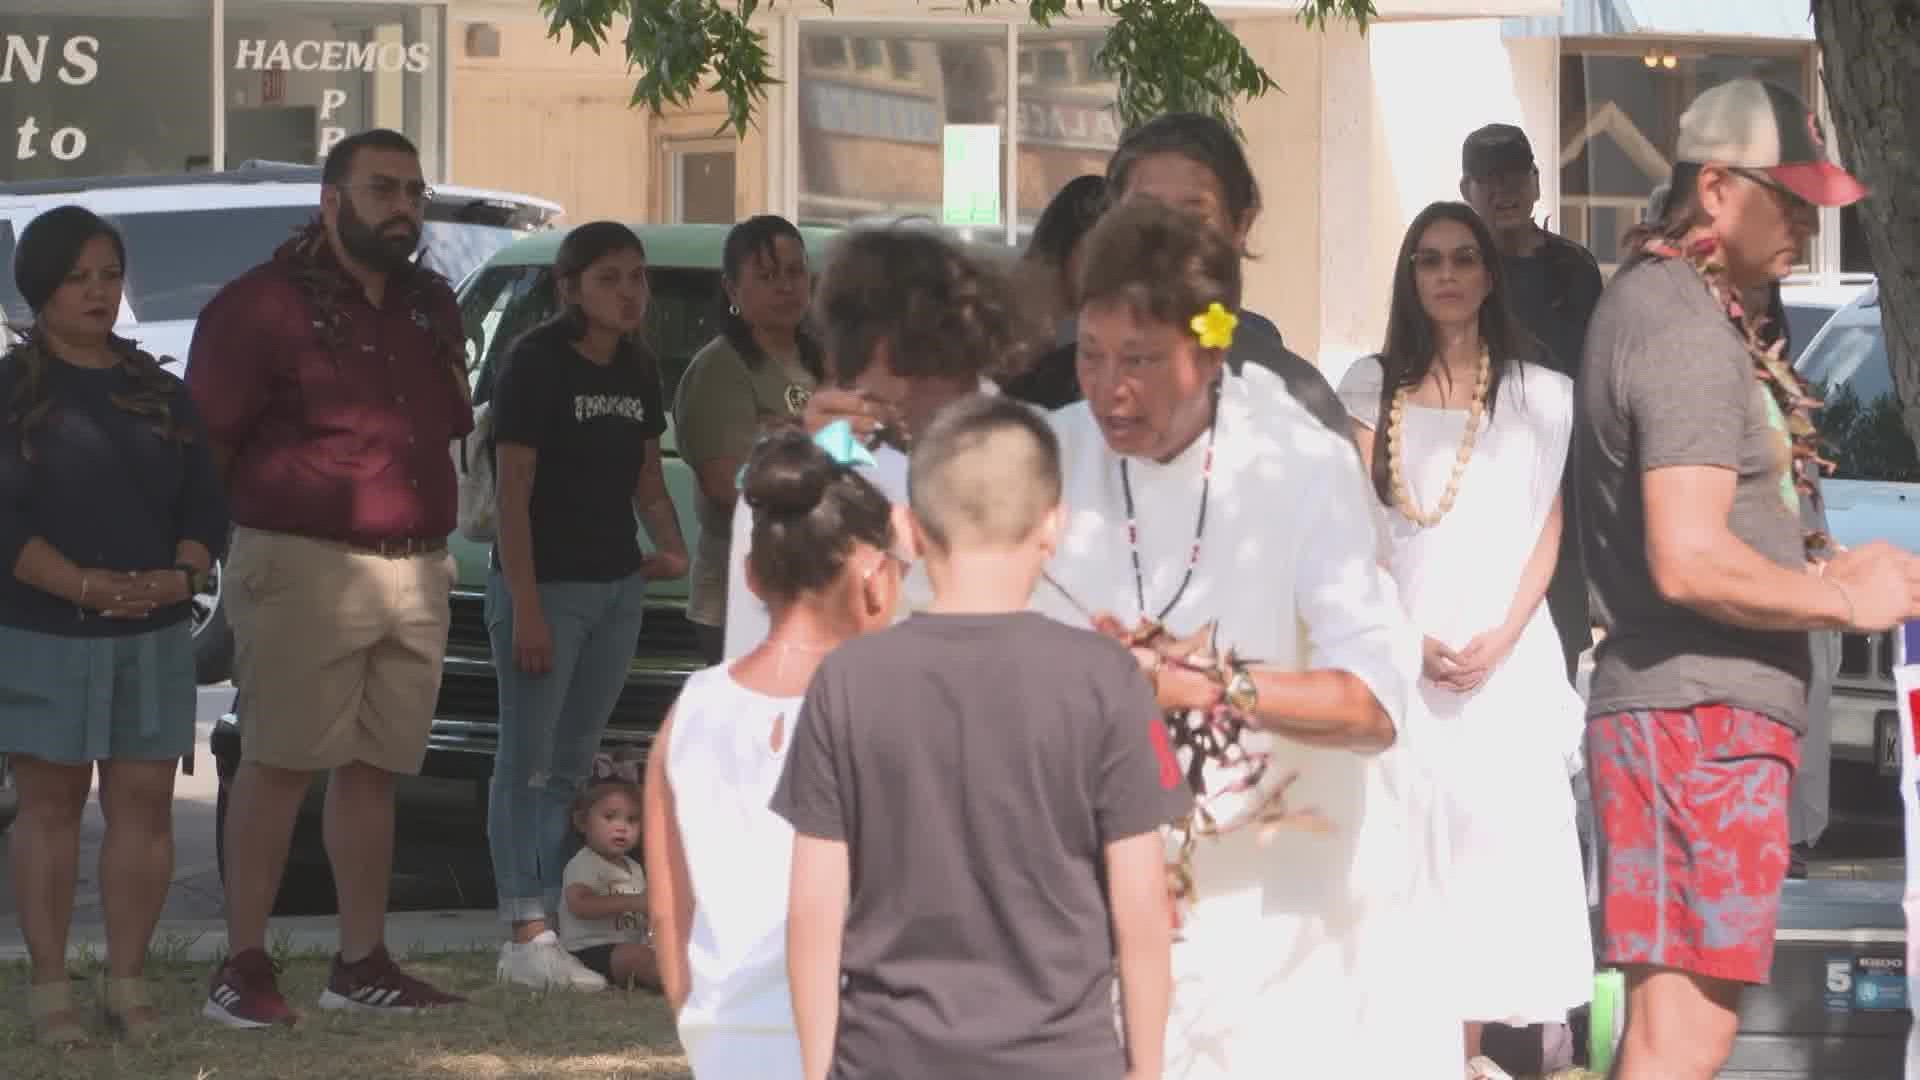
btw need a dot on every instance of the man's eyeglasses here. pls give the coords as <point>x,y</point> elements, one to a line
<point>388,190</point>
<point>1462,259</point>
<point>1507,180</point>
<point>1790,199</point>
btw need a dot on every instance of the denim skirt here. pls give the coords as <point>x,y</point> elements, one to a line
<point>75,700</point>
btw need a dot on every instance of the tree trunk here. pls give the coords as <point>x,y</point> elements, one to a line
<point>1871,53</point>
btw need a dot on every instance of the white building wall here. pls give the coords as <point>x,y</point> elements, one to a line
<point>1395,108</point>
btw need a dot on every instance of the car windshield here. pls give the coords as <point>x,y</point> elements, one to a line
<point>1861,422</point>
<point>178,259</point>
<point>1803,322</point>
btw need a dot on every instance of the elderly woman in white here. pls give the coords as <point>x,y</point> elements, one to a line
<point>1215,506</point>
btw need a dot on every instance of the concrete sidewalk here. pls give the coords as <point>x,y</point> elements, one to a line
<point>206,939</point>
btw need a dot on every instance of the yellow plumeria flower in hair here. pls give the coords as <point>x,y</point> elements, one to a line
<point>1214,326</point>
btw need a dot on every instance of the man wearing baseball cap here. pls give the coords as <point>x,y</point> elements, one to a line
<point>1691,438</point>
<point>1552,284</point>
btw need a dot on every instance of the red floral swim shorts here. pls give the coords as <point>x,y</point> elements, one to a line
<point>1691,810</point>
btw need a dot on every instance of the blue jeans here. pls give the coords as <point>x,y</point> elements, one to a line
<point>550,728</point>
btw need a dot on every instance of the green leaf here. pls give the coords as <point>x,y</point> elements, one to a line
<point>1165,55</point>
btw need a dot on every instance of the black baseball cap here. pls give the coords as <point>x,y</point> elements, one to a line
<point>1496,149</point>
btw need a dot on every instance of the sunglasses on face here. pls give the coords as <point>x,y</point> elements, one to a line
<point>1790,200</point>
<point>1429,261</point>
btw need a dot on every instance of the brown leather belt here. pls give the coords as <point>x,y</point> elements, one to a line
<point>403,548</point>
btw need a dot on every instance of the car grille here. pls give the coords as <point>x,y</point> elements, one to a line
<point>1866,656</point>
<point>665,654</point>
<point>470,693</point>
<point>665,634</point>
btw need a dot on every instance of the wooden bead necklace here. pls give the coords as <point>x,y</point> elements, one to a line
<point>1396,473</point>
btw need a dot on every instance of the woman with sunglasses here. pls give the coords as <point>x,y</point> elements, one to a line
<point>1465,437</point>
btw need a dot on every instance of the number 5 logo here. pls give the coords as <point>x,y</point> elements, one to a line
<point>1839,976</point>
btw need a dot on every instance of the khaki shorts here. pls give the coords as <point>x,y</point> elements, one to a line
<point>337,651</point>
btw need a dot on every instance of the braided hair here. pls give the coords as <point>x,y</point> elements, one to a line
<point>49,248</point>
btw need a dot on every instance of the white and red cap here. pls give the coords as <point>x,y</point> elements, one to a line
<point>1749,124</point>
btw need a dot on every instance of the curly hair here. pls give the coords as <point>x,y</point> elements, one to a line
<point>1165,263</point>
<point>941,311</point>
<point>49,248</point>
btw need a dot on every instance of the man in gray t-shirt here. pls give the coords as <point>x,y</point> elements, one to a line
<point>1691,526</point>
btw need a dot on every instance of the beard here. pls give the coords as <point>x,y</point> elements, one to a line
<point>384,248</point>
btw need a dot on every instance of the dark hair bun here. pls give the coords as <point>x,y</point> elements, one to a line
<point>787,475</point>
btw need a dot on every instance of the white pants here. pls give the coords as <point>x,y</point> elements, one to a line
<point>742,1055</point>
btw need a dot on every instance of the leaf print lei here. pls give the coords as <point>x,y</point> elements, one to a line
<point>1767,347</point>
<point>1212,737</point>
<point>320,279</point>
<point>1207,737</point>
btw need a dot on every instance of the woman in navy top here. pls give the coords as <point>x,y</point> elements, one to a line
<point>110,516</point>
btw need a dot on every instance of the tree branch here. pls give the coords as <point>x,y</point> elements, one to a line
<point>1165,55</point>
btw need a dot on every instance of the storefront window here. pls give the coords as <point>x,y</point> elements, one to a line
<point>105,87</point>
<point>875,102</point>
<point>302,76</point>
<point>1620,115</point>
<point>1068,126</point>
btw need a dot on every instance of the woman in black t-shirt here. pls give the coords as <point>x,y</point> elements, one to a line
<point>110,514</point>
<point>577,422</point>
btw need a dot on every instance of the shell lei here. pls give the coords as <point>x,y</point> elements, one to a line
<point>1402,498</point>
<point>1212,737</point>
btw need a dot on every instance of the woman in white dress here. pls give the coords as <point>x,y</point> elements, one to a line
<point>717,859</point>
<point>1465,442</point>
<point>1220,508</point>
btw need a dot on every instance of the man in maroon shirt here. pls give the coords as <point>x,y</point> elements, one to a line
<point>332,379</point>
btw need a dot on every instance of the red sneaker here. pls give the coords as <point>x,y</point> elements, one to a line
<point>376,984</point>
<point>246,993</point>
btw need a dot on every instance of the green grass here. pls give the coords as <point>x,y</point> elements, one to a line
<point>501,1032</point>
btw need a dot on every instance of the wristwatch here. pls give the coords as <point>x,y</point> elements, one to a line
<point>1242,694</point>
<point>196,577</point>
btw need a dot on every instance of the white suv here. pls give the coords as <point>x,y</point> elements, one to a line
<point>1873,494</point>
<point>188,235</point>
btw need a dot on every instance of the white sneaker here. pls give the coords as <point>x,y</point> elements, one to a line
<point>541,964</point>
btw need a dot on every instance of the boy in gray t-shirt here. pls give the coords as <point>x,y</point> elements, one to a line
<point>977,795</point>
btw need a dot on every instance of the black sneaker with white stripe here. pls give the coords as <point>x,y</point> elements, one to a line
<point>376,984</point>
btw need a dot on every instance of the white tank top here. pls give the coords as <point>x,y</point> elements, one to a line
<point>723,761</point>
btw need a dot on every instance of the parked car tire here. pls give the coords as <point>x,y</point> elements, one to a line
<point>9,796</point>
<point>212,637</point>
<point>306,886</point>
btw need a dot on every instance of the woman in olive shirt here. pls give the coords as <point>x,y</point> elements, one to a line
<point>761,369</point>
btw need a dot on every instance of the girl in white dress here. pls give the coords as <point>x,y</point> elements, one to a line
<point>1465,443</point>
<point>717,858</point>
<point>1217,505</point>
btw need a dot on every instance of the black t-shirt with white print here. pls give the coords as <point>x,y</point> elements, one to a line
<point>589,425</point>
